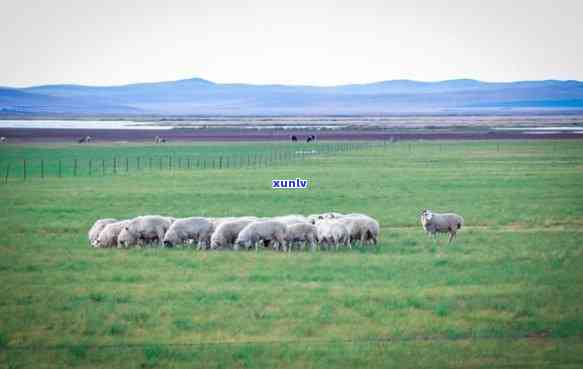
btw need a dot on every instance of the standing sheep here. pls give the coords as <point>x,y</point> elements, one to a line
<point>147,227</point>
<point>434,223</point>
<point>302,234</point>
<point>362,228</point>
<point>108,237</point>
<point>197,229</point>
<point>265,231</point>
<point>96,229</point>
<point>226,233</point>
<point>332,232</point>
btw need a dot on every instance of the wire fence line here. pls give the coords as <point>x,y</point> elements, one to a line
<point>27,169</point>
<point>298,341</point>
<point>24,170</point>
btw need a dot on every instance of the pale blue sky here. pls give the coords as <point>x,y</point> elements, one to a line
<point>294,42</point>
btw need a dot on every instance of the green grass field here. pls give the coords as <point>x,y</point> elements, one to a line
<point>506,294</point>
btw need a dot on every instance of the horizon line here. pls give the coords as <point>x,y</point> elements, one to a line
<point>203,80</point>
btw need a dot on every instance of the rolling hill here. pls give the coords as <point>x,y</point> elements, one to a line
<point>197,96</point>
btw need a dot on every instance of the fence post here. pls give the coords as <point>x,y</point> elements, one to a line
<point>220,162</point>
<point>7,173</point>
<point>127,164</point>
<point>169,162</point>
<point>114,165</point>
<point>188,162</point>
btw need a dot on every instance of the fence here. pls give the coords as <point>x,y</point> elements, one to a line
<point>29,169</point>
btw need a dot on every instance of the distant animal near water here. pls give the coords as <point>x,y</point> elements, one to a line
<point>85,139</point>
<point>159,140</point>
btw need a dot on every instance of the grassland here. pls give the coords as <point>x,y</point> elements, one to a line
<point>506,294</point>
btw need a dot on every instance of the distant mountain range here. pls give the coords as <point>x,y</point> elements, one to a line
<point>201,97</point>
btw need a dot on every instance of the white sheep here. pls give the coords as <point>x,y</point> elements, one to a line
<point>434,223</point>
<point>226,233</point>
<point>332,232</point>
<point>291,219</point>
<point>146,228</point>
<point>265,231</point>
<point>108,236</point>
<point>362,228</point>
<point>96,229</point>
<point>331,215</point>
<point>301,233</point>
<point>315,218</point>
<point>196,229</point>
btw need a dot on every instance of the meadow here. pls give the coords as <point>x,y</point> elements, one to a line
<point>507,293</point>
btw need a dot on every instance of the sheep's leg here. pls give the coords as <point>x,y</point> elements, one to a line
<point>451,237</point>
<point>160,235</point>
<point>312,245</point>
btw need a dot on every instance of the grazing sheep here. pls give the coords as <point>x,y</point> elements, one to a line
<point>96,229</point>
<point>108,237</point>
<point>332,232</point>
<point>291,219</point>
<point>434,223</point>
<point>147,227</point>
<point>3,140</point>
<point>226,233</point>
<point>301,233</point>
<point>126,239</point>
<point>262,231</point>
<point>197,229</point>
<point>362,228</point>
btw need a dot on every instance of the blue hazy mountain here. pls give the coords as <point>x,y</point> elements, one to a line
<point>198,96</point>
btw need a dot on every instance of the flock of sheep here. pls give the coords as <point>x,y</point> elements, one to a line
<point>283,233</point>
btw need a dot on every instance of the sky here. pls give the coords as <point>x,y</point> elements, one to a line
<point>313,42</point>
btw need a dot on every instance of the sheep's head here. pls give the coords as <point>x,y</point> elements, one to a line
<point>427,214</point>
<point>171,238</point>
<point>217,241</point>
<point>125,238</point>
